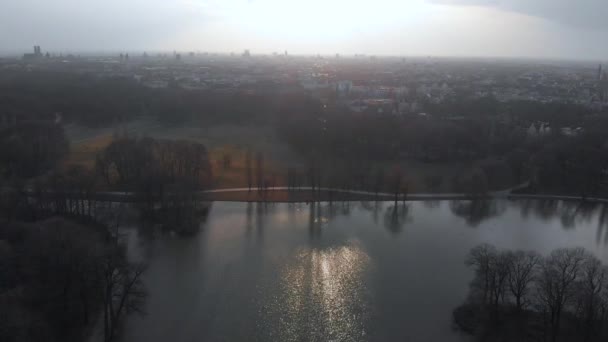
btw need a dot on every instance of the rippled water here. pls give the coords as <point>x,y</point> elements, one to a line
<point>337,272</point>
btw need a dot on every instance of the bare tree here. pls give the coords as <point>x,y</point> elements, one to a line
<point>397,182</point>
<point>122,289</point>
<point>592,283</point>
<point>259,167</point>
<point>291,176</point>
<point>227,161</point>
<point>379,181</point>
<point>481,258</point>
<point>433,182</point>
<point>557,282</point>
<point>102,166</point>
<point>522,271</point>
<point>248,169</point>
<point>499,274</point>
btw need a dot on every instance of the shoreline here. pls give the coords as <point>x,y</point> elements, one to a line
<point>324,197</point>
<point>306,194</point>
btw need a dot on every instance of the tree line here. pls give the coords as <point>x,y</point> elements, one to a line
<point>96,101</point>
<point>521,295</point>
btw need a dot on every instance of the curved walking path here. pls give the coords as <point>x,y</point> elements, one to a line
<point>306,193</point>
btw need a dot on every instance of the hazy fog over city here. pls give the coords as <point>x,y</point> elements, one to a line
<point>506,28</point>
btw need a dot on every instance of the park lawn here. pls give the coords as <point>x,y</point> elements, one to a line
<point>84,153</point>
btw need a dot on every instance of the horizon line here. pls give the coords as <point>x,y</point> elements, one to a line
<point>18,53</point>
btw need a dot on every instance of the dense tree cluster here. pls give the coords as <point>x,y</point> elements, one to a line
<point>86,99</point>
<point>522,295</point>
<point>154,163</point>
<point>30,149</point>
<point>59,279</point>
<point>465,129</point>
<point>521,112</point>
<point>91,100</point>
<point>382,137</point>
<point>491,136</point>
<point>575,165</point>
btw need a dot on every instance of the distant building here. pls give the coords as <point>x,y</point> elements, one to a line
<point>37,53</point>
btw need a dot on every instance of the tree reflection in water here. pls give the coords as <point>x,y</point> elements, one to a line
<point>181,219</point>
<point>320,214</point>
<point>248,219</point>
<point>601,225</point>
<point>543,209</point>
<point>476,211</point>
<point>431,204</point>
<point>261,213</point>
<point>396,216</point>
<point>573,212</point>
<point>570,213</point>
<point>375,208</point>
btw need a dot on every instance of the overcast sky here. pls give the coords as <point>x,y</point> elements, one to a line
<point>570,29</point>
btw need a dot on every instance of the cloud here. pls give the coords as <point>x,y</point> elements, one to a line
<point>96,25</point>
<point>589,14</point>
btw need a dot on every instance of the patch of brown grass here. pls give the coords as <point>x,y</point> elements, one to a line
<point>84,153</point>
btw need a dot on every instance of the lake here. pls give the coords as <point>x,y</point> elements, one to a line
<point>337,272</point>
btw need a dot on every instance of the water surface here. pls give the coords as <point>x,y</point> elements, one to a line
<point>337,272</point>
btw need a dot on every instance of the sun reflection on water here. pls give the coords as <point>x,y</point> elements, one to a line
<point>322,296</point>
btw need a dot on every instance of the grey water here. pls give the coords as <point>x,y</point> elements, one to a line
<point>337,272</point>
